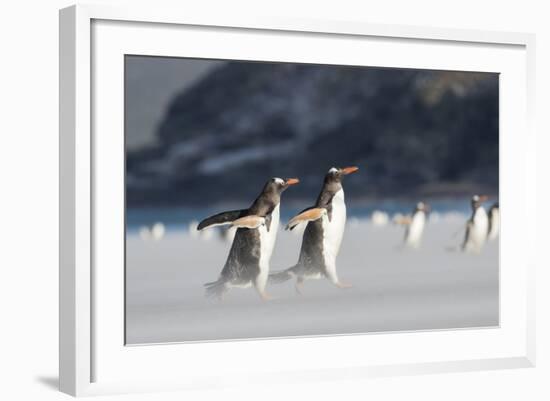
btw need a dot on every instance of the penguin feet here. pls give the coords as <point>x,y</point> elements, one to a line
<point>265,296</point>
<point>339,284</point>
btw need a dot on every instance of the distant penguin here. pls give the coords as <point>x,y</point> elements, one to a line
<point>415,226</point>
<point>145,233</point>
<point>379,218</point>
<point>323,234</point>
<point>477,226</point>
<point>155,232</point>
<point>248,260</point>
<point>399,218</point>
<point>494,222</point>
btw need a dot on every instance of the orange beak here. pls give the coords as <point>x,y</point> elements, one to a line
<point>483,198</point>
<point>349,170</point>
<point>292,181</point>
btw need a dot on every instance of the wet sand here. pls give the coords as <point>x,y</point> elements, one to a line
<point>393,289</point>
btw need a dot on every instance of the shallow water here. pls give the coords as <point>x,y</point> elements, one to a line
<point>176,218</point>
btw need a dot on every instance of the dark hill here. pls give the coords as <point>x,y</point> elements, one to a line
<point>420,133</point>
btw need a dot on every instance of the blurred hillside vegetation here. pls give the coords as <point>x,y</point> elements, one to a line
<point>415,132</point>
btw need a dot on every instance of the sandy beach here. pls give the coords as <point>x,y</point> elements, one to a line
<point>393,289</point>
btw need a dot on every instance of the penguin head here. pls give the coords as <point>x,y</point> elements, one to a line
<point>477,200</point>
<point>335,175</point>
<point>271,195</point>
<point>423,207</point>
<point>278,185</point>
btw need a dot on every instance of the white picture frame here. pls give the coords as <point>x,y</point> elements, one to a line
<point>93,358</point>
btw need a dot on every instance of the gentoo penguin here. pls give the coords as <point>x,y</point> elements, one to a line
<point>325,223</point>
<point>477,226</point>
<point>494,222</point>
<point>415,225</point>
<point>250,253</point>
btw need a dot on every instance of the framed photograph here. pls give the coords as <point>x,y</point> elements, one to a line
<point>278,200</point>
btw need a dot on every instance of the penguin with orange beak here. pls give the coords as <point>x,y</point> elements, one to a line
<point>248,261</point>
<point>477,226</point>
<point>325,223</point>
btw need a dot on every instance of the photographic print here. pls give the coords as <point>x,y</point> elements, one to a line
<point>271,199</point>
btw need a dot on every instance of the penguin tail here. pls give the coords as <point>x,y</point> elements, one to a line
<point>281,276</point>
<point>215,289</point>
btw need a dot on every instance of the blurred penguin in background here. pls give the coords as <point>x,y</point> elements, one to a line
<point>477,226</point>
<point>494,222</point>
<point>154,232</point>
<point>415,225</point>
<point>379,218</point>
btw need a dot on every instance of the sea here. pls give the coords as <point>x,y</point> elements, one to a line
<point>177,218</point>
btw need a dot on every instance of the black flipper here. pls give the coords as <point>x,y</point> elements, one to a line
<point>222,218</point>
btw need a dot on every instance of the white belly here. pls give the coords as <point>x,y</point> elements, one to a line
<point>495,224</point>
<point>267,241</point>
<point>334,232</point>
<point>415,230</point>
<point>477,233</point>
